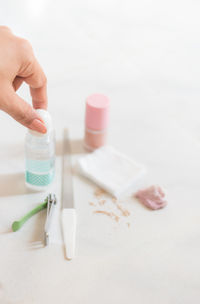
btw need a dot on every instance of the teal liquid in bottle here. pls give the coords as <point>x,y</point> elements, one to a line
<point>40,155</point>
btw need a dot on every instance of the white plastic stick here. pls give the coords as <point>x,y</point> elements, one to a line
<point>69,231</point>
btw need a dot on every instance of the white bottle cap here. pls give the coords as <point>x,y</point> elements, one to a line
<point>46,117</point>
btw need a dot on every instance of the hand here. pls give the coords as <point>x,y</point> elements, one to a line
<point>18,64</point>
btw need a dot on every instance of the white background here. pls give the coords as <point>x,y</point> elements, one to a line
<point>145,56</point>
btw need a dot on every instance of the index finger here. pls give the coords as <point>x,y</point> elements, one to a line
<point>38,85</point>
<point>39,97</point>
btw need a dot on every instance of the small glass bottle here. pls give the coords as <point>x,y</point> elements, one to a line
<point>96,121</point>
<point>40,155</point>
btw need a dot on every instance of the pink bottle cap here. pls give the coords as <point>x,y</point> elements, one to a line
<point>97,112</point>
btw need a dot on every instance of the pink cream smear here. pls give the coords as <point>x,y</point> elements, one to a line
<point>152,197</point>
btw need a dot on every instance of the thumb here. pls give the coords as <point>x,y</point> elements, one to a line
<point>21,111</point>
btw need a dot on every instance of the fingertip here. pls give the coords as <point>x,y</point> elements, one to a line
<point>38,126</point>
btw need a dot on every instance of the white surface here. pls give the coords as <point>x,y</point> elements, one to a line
<point>145,56</point>
<point>111,170</point>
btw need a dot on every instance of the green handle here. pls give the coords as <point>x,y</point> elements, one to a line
<point>18,224</point>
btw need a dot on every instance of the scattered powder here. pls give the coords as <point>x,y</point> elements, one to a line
<point>110,214</point>
<point>114,199</point>
<point>92,204</point>
<point>102,202</point>
<point>103,212</point>
<point>124,212</point>
<point>152,197</point>
<point>99,192</point>
<point>116,217</point>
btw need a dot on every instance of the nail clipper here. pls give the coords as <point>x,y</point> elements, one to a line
<point>51,204</point>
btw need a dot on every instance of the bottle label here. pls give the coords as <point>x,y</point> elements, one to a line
<point>39,172</point>
<point>39,180</point>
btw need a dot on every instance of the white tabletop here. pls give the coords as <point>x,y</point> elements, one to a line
<point>145,57</point>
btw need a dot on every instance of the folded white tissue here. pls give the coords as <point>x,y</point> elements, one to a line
<point>111,170</point>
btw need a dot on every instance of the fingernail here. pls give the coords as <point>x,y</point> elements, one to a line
<point>38,126</point>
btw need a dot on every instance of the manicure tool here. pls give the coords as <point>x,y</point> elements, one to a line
<point>51,204</point>
<point>18,224</point>
<point>68,211</point>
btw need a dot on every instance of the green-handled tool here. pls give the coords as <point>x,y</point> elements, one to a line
<point>18,224</point>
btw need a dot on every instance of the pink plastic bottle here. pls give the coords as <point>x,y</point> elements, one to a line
<point>96,121</point>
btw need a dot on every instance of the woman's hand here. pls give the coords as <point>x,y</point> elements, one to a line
<point>18,64</point>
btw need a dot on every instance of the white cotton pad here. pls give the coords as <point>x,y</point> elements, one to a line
<point>46,117</point>
<point>111,170</point>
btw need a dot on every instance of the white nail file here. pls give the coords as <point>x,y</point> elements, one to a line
<point>69,211</point>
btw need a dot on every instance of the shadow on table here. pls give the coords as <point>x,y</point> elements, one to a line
<point>6,231</point>
<point>37,240</point>
<point>75,144</point>
<point>13,184</point>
